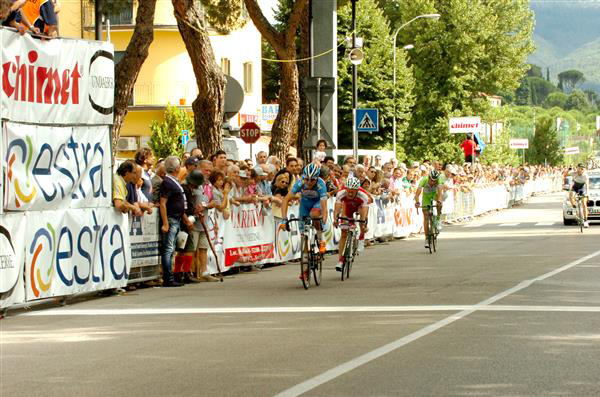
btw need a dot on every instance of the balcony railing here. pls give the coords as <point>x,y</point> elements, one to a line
<point>163,15</point>
<point>161,94</point>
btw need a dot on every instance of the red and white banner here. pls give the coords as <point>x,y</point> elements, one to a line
<point>249,236</point>
<point>49,168</point>
<point>57,81</point>
<point>461,125</point>
<point>12,251</point>
<point>77,250</point>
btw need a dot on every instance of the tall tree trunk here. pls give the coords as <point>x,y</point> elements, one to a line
<point>209,104</point>
<point>284,44</point>
<point>287,119</point>
<point>304,71</point>
<point>128,69</point>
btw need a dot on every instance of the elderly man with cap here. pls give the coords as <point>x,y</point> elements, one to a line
<point>191,163</point>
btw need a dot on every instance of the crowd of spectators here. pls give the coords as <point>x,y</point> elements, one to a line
<point>183,189</point>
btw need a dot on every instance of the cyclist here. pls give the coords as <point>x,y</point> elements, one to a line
<point>350,199</point>
<point>580,183</point>
<point>313,200</point>
<point>431,187</point>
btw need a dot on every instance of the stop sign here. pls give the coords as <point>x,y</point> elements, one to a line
<point>250,132</point>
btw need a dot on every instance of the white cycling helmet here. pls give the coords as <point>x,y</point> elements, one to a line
<point>352,183</point>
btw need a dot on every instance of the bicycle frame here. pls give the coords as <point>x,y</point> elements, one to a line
<point>309,247</point>
<point>351,245</point>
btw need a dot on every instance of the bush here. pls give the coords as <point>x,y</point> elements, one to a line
<point>166,136</point>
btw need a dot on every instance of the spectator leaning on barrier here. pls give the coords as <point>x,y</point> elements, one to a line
<point>135,195</point>
<point>220,192</point>
<point>126,173</point>
<point>172,208</point>
<point>12,16</point>
<point>42,15</point>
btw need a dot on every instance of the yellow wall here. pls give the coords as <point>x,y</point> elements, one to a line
<point>69,18</point>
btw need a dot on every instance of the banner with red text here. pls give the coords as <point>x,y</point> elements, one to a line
<point>12,262</point>
<point>77,250</point>
<point>58,81</point>
<point>49,168</point>
<point>249,237</point>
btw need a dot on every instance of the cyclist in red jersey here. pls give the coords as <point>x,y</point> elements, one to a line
<point>352,198</point>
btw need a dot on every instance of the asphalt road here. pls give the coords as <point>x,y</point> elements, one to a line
<point>509,305</point>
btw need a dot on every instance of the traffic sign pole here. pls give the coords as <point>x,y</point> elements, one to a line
<point>318,109</point>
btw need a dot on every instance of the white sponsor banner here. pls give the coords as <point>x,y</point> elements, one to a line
<point>77,250</point>
<point>57,81</point>
<point>144,237</point>
<point>461,125</point>
<point>519,143</point>
<point>12,262</point>
<point>268,114</point>
<point>572,150</point>
<point>597,123</point>
<point>49,168</point>
<point>249,236</point>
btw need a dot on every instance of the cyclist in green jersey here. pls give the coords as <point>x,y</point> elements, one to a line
<point>431,188</point>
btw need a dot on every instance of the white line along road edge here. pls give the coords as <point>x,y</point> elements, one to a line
<point>348,366</point>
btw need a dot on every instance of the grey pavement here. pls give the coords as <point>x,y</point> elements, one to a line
<point>506,307</point>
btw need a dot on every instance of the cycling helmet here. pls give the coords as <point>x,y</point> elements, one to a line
<point>581,165</point>
<point>311,171</point>
<point>434,175</point>
<point>352,183</point>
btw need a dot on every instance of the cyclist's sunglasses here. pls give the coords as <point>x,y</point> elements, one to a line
<point>310,180</point>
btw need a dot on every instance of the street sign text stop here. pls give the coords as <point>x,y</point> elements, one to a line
<point>250,132</point>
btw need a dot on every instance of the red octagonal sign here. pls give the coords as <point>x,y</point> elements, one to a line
<point>250,132</point>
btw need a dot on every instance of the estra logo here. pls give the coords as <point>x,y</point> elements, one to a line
<point>78,253</point>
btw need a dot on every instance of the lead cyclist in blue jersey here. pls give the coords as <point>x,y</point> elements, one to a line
<point>313,199</point>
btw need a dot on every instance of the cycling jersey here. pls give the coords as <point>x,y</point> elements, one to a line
<point>579,183</point>
<point>352,205</point>
<point>310,197</point>
<point>429,192</point>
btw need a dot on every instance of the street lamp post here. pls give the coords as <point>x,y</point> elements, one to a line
<point>354,87</point>
<point>407,47</point>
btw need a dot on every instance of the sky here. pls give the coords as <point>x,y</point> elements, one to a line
<point>267,8</point>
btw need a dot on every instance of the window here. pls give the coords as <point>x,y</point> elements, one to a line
<point>226,66</point>
<point>248,77</point>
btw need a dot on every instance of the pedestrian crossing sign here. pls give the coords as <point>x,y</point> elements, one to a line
<point>367,120</point>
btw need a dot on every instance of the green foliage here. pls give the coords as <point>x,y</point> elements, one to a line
<point>500,152</point>
<point>577,100</point>
<point>545,146</point>
<point>556,99</point>
<point>225,15</point>
<point>475,47</point>
<point>271,74</point>
<point>523,93</point>
<point>375,78</point>
<point>113,7</point>
<point>570,79</point>
<point>540,89</point>
<point>166,135</point>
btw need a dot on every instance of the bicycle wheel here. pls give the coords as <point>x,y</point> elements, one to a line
<point>351,247</point>
<point>580,215</point>
<point>430,233</point>
<point>305,258</point>
<point>317,263</point>
<point>434,235</point>
<point>347,253</point>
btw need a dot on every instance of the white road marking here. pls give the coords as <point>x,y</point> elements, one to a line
<point>545,224</point>
<point>508,224</point>
<point>474,225</point>
<point>306,309</point>
<point>348,366</point>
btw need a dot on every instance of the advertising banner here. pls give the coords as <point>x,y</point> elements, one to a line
<point>77,250</point>
<point>249,235</point>
<point>461,125</point>
<point>12,262</point>
<point>519,143</point>
<point>268,114</point>
<point>49,168</point>
<point>144,237</point>
<point>58,81</point>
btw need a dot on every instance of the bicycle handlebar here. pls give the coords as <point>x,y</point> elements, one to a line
<point>343,218</point>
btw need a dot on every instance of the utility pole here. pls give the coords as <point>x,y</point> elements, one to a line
<point>354,87</point>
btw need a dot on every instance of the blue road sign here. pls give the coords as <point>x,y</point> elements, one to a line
<point>367,120</point>
<point>185,137</point>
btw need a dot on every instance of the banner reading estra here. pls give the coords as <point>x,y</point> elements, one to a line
<point>49,168</point>
<point>57,81</point>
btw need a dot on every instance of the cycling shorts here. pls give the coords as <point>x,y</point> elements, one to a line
<point>579,188</point>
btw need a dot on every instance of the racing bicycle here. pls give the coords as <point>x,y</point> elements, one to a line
<point>433,229</point>
<point>351,246</point>
<point>311,258</point>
